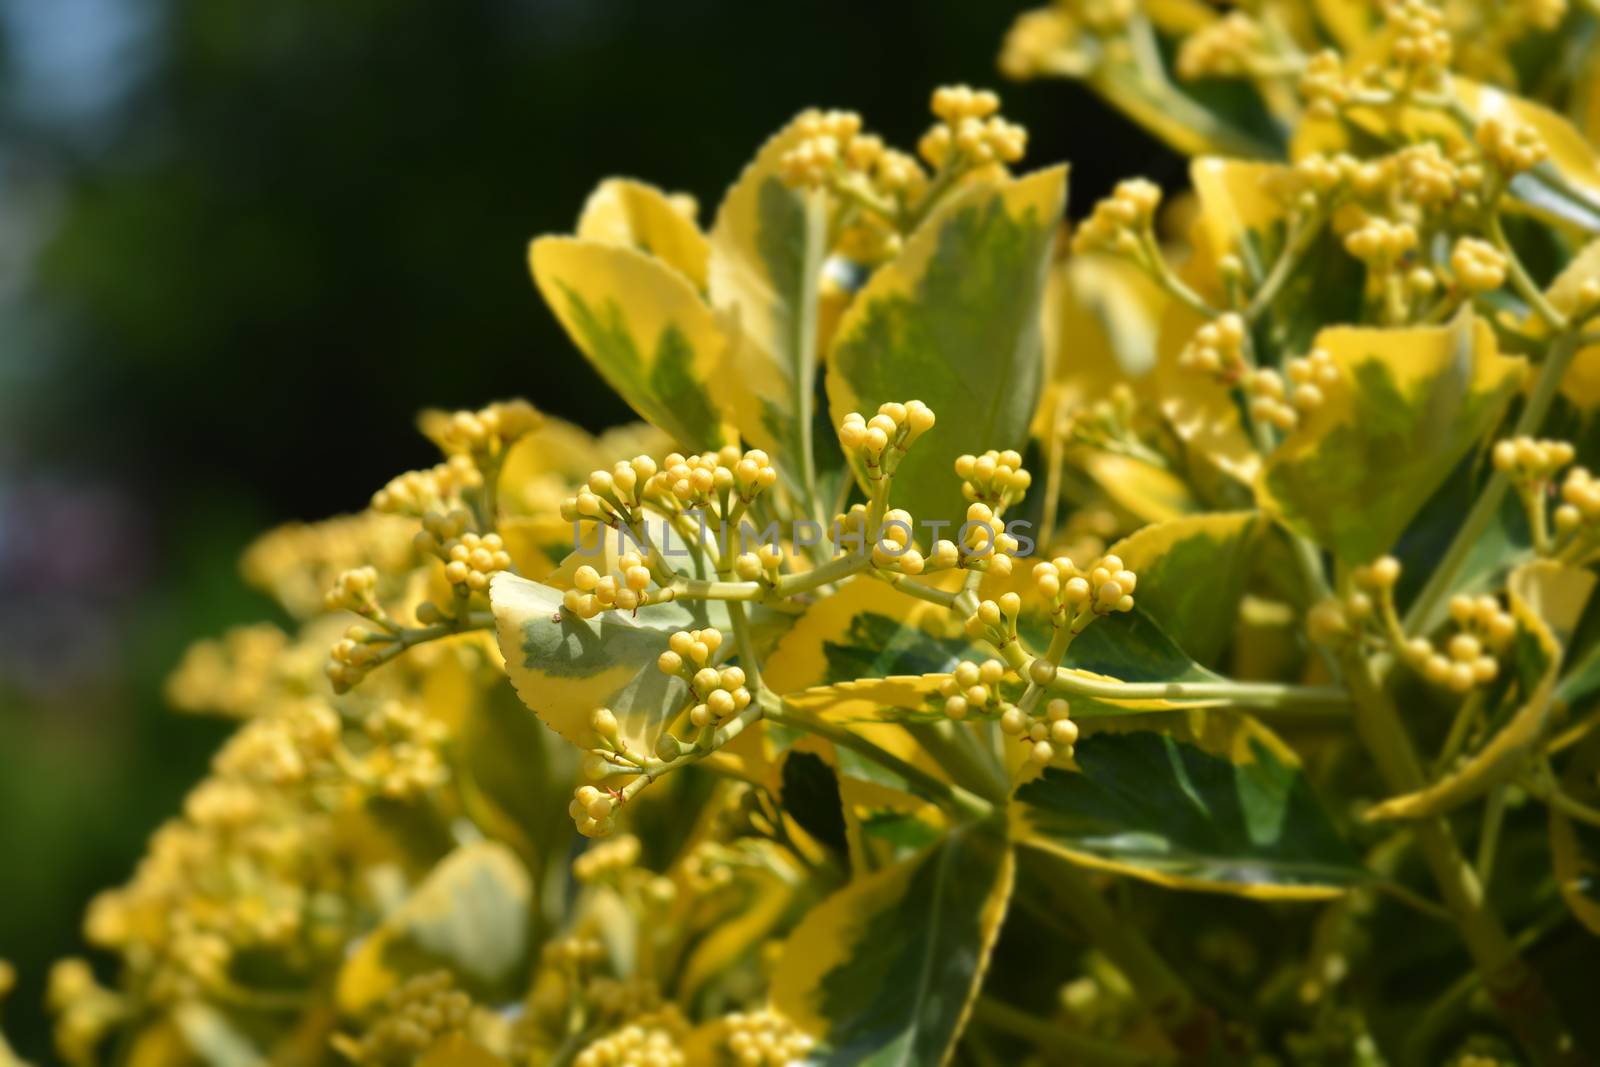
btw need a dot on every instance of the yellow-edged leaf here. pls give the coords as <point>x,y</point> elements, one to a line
<point>1409,404</point>
<point>767,250</point>
<point>643,326</point>
<point>622,211</point>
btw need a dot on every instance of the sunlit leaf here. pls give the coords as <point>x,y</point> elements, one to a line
<point>767,249</point>
<point>644,328</point>
<point>1410,403</point>
<point>1192,572</point>
<point>625,212</point>
<point>1156,808</point>
<point>885,970</point>
<point>954,321</point>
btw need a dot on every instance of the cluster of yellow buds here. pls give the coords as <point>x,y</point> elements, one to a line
<point>416,492</point>
<point>650,1041</point>
<point>1074,594</point>
<point>1485,629</point>
<point>1478,265</point>
<point>833,152</point>
<point>881,441</point>
<point>994,478</point>
<point>1323,85</point>
<point>474,559</point>
<point>403,760</point>
<point>765,1039</point>
<point>1421,45</point>
<point>593,810</point>
<point>1580,502</point>
<point>1121,223</point>
<point>607,859</point>
<point>719,695</point>
<point>1512,147</point>
<point>1226,48</point>
<point>970,133</point>
<point>490,429</point>
<point>995,621</point>
<point>1529,461</point>
<point>696,481</point>
<point>764,564</point>
<point>974,688</point>
<point>1381,243</point>
<point>1217,348</point>
<point>1431,180</point>
<point>985,545</point>
<point>1034,42</point>
<point>355,590</point>
<point>421,1012</point>
<point>1054,735</point>
<point>828,139</point>
<point>354,656</point>
<point>593,592</point>
<point>894,549</point>
<point>614,496</point>
<point>1269,397</point>
<point>688,651</point>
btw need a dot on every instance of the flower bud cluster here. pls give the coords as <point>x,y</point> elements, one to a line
<point>1579,510</point>
<point>1478,265</point>
<point>995,621</point>
<point>1046,738</point>
<point>894,549</point>
<point>1122,222</point>
<point>970,133</point>
<point>1529,461</point>
<point>402,760</point>
<point>1510,146</point>
<point>765,1039</point>
<point>614,496</point>
<point>994,478</point>
<point>355,590</point>
<point>718,695</point>
<point>1323,85</point>
<point>1075,595</point>
<point>628,590</point>
<point>764,564</point>
<point>1273,402</point>
<point>1217,348</point>
<point>594,810</point>
<point>974,689</point>
<point>1484,630</point>
<point>879,443</point>
<point>421,1012</point>
<point>828,139</point>
<point>607,860</point>
<point>649,1041</point>
<point>986,545</point>
<point>490,429</point>
<point>834,153</point>
<point>437,488</point>
<point>1421,46</point>
<point>1034,42</point>
<point>1226,48</point>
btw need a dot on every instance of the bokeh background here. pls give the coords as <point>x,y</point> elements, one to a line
<point>242,243</point>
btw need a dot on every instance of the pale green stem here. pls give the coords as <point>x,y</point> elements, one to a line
<point>907,585</point>
<point>1289,260</point>
<point>1494,814</point>
<point>843,567</point>
<point>1520,281</point>
<point>1424,612</point>
<point>747,647</point>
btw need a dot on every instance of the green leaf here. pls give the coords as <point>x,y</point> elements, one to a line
<point>1574,844</point>
<point>811,798</point>
<point>1155,808</point>
<point>1192,573</point>
<point>643,326</point>
<point>767,249</point>
<point>1409,405</point>
<point>470,914</point>
<point>885,970</point>
<point>630,213</point>
<point>954,321</point>
<point>564,667</point>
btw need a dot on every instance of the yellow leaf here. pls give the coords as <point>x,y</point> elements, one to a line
<point>1409,404</point>
<point>643,326</point>
<point>630,213</point>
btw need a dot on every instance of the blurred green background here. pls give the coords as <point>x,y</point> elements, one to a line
<point>242,243</point>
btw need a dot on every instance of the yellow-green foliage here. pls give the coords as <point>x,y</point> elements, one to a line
<point>1171,644</point>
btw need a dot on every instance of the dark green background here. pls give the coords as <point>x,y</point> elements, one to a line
<point>273,233</point>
